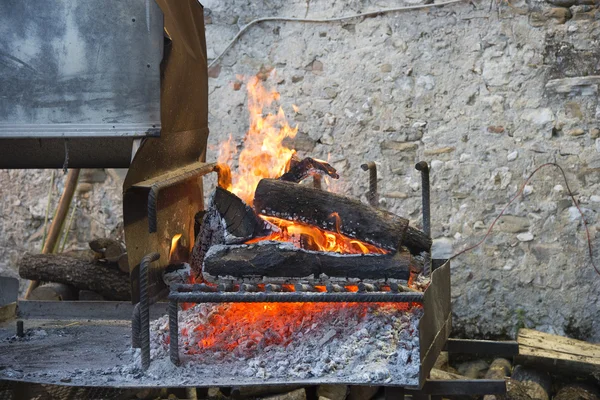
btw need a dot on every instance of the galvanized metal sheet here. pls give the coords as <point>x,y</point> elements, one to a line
<point>9,290</point>
<point>72,68</point>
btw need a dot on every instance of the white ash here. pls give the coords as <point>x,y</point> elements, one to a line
<point>337,346</point>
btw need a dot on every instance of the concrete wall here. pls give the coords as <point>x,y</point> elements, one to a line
<point>463,87</point>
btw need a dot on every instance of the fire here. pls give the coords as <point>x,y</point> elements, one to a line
<point>263,154</point>
<point>174,242</point>
<point>313,238</point>
<point>247,328</point>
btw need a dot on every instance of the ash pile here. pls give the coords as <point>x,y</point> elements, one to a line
<point>295,342</point>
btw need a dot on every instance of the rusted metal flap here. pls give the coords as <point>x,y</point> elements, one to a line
<point>182,144</point>
<point>435,325</point>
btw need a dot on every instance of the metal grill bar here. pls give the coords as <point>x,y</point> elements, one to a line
<point>296,297</point>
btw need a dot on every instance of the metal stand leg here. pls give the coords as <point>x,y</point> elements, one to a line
<point>394,393</point>
<point>145,309</point>
<point>173,332</point>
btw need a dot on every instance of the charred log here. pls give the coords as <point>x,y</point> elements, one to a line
<point>240,219</point>
<point>106,280</point>
<point>283,260</point>
<point>301,203</point>
<point>227,217</point>
<point>302,169</point>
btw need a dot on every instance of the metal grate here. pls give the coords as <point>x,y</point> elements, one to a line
<point>10,390</point>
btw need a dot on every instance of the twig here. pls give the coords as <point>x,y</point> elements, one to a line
<point>68,228</point>
<point>50,191</point>
<point>587,231</point>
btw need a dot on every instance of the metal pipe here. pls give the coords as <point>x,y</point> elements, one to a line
<point>372,194</point>
<point>145,308</point>
<point>174,331</point>
<point>425,194</point>
<point>20,329</point>
<point>297,297</point>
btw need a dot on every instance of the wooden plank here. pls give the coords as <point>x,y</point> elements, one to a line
<point>557,353</point>
<point>561,344</point>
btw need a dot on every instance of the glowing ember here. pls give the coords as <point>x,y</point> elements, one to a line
<point>263,155</point>
<point>305,235</point>
<point>247,328</point>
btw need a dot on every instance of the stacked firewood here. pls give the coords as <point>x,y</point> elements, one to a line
<point>101,273</point>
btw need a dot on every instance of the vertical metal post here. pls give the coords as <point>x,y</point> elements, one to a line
<point>145,308</point>
<point>425,194</point>
<point>372,195</point>
<point>20,329</point>
<point>136,327</point>
<point>173,332</point>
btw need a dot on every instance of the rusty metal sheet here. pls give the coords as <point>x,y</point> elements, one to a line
<point>184,119</point>
<point>436,323</point>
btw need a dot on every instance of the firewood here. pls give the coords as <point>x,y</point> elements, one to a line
<point>275,259</point>
<point>108,281</point>
<point>577,391</point>
<point>537,384</point>
<point>298,394</point>
<point>302,169</point>
<point>108,249</point>
<point>302,203</point>
<point>54,291</point>
<point>252,392</point>
<point>240,219</point>
<point>555,353</point>
<point>500,368</point>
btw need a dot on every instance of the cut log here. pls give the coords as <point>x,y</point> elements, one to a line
<point>577,391</point>
<point>108,281</point>
<point>537,384</point>
<point>283,260</point>
<point>295,202</point>
<point>555,353</point>
<point>107,249</point>
<point>53,291</point>
<point>500,368</point>
<point>302,169</point>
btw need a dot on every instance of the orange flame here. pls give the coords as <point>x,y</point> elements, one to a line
<point>174,242</point>
<point>263,154</point>
<point>316,238</point>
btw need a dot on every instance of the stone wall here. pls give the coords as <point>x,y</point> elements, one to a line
<point>484,92</point>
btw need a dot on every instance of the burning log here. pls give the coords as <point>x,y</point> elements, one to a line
<point>108,281</point>
<point>283,260</point>
<point>301,203</point>
<point>240,223</point>
<point>302,169</point>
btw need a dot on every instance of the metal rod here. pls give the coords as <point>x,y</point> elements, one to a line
<point>372,195</point>
<point>425,193</point>
<point>296,297</point>
<point>145,308</point>
<point>136,327</point>
<point>174,332</point>
<point>174,180</point>
<point>20,329</point>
